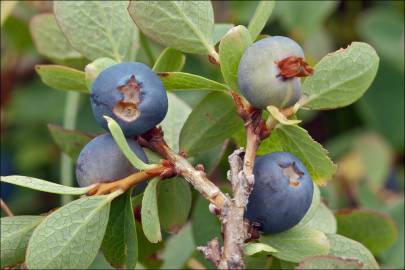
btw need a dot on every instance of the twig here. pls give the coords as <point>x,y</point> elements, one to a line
<point>164,170</point>
<point>5,208</point>
<point>212,251</point>
<point>232,216</point>
<point>154,140</point>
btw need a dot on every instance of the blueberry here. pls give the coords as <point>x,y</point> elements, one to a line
<point>132,94</point>
<point>282,193</point>
<point>268,72</point>
<point>101,160</point>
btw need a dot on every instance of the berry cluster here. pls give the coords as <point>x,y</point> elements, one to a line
<point>133,95</point>
<point>269,74</point>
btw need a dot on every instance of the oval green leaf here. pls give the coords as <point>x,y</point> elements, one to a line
<point>70,237</point>
<point>341,77</point>
<point>297,243</point>
<point>174,203</point>
<point>62,78</point>
<point>98,29</point>
<point>376,230</point>
<point>43,185</point>
<point>15,233</point>
<point>49,39</point>
<point>211,122</point>
<point>304,17</point>
<point>231,49</point>
<point>120,243</point>
<point>341,246</point>
<point>150,214</point>
<point>260,18</point>
<point>180,81</point>
<point>186,26</point>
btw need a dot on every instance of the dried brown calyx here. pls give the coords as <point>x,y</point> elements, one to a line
<point>127,109</point>
<point>294,66</point>
<point>293,174</point>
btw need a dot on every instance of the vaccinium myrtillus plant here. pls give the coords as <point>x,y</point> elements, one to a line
<point>274,207</point>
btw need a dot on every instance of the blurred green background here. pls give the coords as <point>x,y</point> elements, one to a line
<point>366,139</point>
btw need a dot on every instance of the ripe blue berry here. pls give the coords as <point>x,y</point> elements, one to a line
<point>282,193</point>
<point>268,72</point>
<point>101,160</point>
<point>132,94</point>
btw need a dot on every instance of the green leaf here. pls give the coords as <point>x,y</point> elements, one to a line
<point>180,81</point>
<point>329,262</point>
<point>147,250</point>
<point>98,29</point>
<point>220,29</point>
<point>341,77</point>
<point>71,142</point>
<point>205,225</point>
<point>260,18</point>
<point>323,220</point>
<point>15,233</point>
<point>42,185</point>
<point>383,29</point>
<point>212,121</point>
<point>186,26</point>
<point>120,243</point>
<point>231,49</point>
<point>297,243</point>
<point>49,39</point>
<point>92,70</point>
<point>169,60</point>
<point>122,143</point>
<point>149,212</point>
<point>178,249</point>
<point>377,105</point>
<point>304,17</point>
<point>376,156</point>
<point>174,203</point>
<point>297,141</point>
<point>255,249</point>
<point>394,256</point>
<point>341,246</point>
<point>70,237</point>
<point>175,118</point>
<point>376,230</point>
<point>62,78</point>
